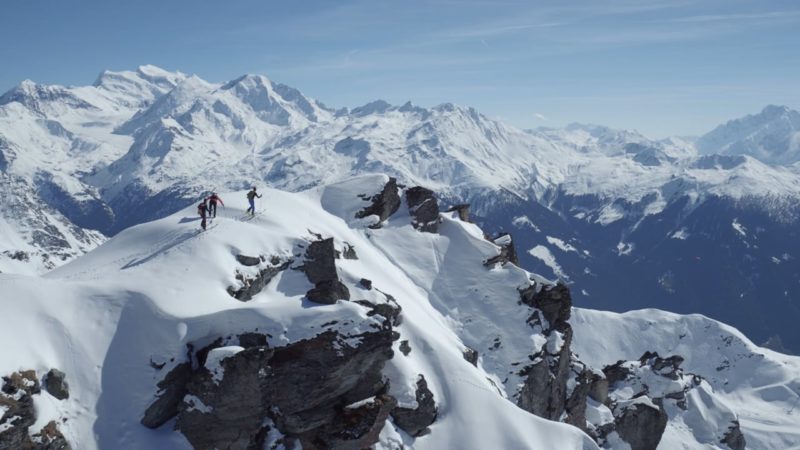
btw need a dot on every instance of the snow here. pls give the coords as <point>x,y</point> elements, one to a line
<point>563,246</point>
<point>154,287</point>
<point>739,228</point>
<point>681,234</point>
<point>215,358</point>
<point>543,254</point>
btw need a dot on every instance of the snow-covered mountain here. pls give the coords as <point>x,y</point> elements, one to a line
<point>598,208</point>
<point>359,316</point>
<point>772,136</point>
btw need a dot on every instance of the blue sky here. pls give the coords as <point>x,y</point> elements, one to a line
<point>661,67</point>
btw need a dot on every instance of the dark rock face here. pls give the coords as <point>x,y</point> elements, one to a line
<point>328,292</point>
<point>16,398</point>
<point>313,391</point>
<point>248,260</point>
<point>544,390</point>
<point>616,372</point>
<point>320,263</point>
<point>172,390</point>
<point>508,253</point>
<point>424,209</point>
<point>555,302</point>
<point>405,349</point>
<point>641,426</point>
<point>56,384</point>
<point>389,310</point>
<point>417,420</point>
<point>733,437</point>
<point>384,204</point>
<point>366,284</point>
<point>463,211</point>
<point>471,356</point>
<point>253,285</point>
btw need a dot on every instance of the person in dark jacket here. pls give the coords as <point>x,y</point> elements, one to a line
<point>202,209</point>
<point>251,197</point>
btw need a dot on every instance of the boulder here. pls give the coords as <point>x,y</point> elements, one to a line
<point>424,209</point>
<point>50,438</point>
<point>56,384</point>
<point>320,262</point>
<point>733,437</point>
<point>404,348</point>
<point>641,425</point>
<point>384,204</point>
<point>415,421</point>
<point>248,260</point>
<point>508,252</point>
<point>471,356</point>
<point>328,292</point>
<point>349,252</point>
<point>366,284</point>
<point>19,414</point>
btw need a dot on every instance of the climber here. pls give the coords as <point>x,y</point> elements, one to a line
<point>212,204</point>
<point>202,209</point>
<point>251,197</point>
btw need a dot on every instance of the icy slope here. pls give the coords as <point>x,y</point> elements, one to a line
<point>147,292</point>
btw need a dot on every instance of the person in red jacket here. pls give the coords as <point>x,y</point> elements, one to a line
<point>212,200</point>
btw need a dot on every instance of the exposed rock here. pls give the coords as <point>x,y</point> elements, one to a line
<point>733,437</point>
<point>508,252</point>
<point>172,389</point>
<point>56,384</point>
<point>616,372</point>
<point>575,405</point>
<point>641,425</point>
<point>366,284</point>
<point>405,349</point>
<point>424,209</point>
<point>311,391</point>
<point>384,204</point>
<point>349,252</point>
<point>671,364</point>
<point>328,292</point>
<point>252,286</point>
<point>598,390</point>
<point>320,263</point>
<point>544,390</point>
<point>463,211</point>
<point>390,310</point>
<point>555,302</point>
<point>50,438</point>
<point>417,420</point>
<point>16,402</point>
<point>248,260</point>
<point>471,355</point>
<point>356,427</point>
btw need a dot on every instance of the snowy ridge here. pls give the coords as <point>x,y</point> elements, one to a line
<point>106,317</point>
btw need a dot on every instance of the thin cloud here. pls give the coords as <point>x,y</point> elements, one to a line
<point>539,116</point>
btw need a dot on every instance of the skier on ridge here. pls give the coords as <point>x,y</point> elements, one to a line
<point>202,209</point>
<point>251,196</point>
<point>212,204</point>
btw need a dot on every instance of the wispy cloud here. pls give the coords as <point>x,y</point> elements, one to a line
<point>539,116</point>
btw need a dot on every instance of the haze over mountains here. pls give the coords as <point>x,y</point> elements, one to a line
<point>627,221</point>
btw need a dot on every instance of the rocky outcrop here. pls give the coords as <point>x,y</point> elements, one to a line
<point>19,414</point>
<point>349,252</point>
<point>508,252</point>
<point>56,384</point>
<point>383,205</point>
<point>641,424</point>
<point>734,438</point>
<point>415,421</point>
<point>544,391</point>
<point>554,301</point>
<point>251,285</point>
<point>462,210</point>
<point>328,292</point>
<point>323,392</point>
<point>424,209</point>
<point>470,355</point>
<point>320,268</point>
<point>171,389</point>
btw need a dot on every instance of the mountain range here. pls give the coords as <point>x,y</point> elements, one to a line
<point>627,222</point>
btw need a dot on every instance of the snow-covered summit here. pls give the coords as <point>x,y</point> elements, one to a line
<point>773,136</point>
